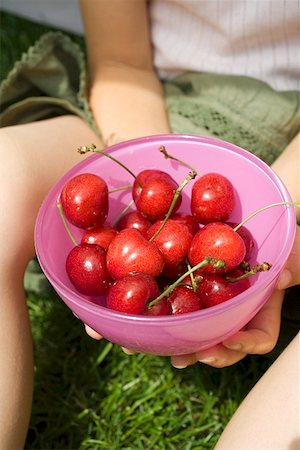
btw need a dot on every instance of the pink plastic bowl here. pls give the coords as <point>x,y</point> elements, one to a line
<point>256,186</point>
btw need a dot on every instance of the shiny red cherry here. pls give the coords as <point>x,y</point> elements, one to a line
<point>86,269</point>
<point>217,240</point>
<point>212,199</point>
<point>130,252</point>
<point>84,200</point>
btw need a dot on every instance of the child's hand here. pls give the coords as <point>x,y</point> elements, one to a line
<point>92,333</point>
<point>261,333</point>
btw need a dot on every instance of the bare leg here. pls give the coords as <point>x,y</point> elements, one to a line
<point>269,417</point>
<point>33,157</point>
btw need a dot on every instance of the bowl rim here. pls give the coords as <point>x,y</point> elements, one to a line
<point>105,312</point>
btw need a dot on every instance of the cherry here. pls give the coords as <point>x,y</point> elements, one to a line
<point>215,289</point>
<point>184,300</point>
<point>131,293</point>
<point>174,271</point>
<point>153,199</point>
<point>247,237</point>
<point>130,252</point>
<point>187,220</point>
<point>102,236</point>
<point>86,269</point>
<point>134,219</point>
<point>173,240</point>
<point>217,240</point>
<point>212,199</point>
<point>161,308</point>
<point>84,200</point>
<point>142,178</point>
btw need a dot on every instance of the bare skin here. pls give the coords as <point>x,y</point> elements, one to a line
<point>30,165</point>
<point>127,101</point>
<point>269,417</point>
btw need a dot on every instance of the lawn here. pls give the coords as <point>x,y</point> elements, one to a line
<point>89,394</point>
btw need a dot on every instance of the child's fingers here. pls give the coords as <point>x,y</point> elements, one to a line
<point>217,356</point>
<point>259,337</point>
<point>92,333</point>
<point>128,351</point>
<point>261,333</point>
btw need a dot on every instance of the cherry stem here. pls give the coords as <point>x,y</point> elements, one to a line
<point>92,148</point>
<point>194,284</point>
<point>189,177</point>
<point>163,150</point>
<point>263,209</point>
<point>124,211</point>
<point>216,263</point>
<point>264,267</point>
<point>121,188</point>
<point>61,212</point>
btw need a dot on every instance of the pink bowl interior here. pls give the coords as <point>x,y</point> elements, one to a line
<point>256,186</point>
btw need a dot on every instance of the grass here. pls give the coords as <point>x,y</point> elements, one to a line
<point>90,395</point>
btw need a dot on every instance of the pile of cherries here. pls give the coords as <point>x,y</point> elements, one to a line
<point>154,260</point>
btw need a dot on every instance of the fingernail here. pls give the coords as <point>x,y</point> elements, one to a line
<point>208,360</point>
<point>233,346</point>
<point>179,366</point>
<point>127,351</point>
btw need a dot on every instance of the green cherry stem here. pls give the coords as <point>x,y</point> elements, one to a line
<point>263,209</point>
<point>122,213</point>
<point>216,263</point>
<point>92,148</point>
<point>194,284</point>
<point>121,188</point>
<point>264,267</point>
<point>163,150</point>
<point>189,177</point>
<point>60,209</point>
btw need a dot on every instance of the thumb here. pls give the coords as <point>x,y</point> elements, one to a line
<point>290,276</point>
<point>285,279</point>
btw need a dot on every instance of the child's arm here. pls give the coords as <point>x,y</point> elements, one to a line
<point>126,95</point>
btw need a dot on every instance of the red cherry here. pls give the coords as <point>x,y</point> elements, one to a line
<point>134,219</point>
<point>213,198</point>
<point>142,178</point>
<point>215,289</point>
<point>173,240</point>
<point>86,269</point>
<point>154,198</point>
<point>161,308</point>
<point>183,300</point>
<point>131,293</point>
<point>130,252</point>
<point>84,200</point>
<point>172,272</point>
<point>247,237</point>
<point>187,220</point>
<point>101,236</point>
<point>217,240</point>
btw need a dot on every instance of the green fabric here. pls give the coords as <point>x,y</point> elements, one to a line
<point>51,80</point>
<point>241,110</point>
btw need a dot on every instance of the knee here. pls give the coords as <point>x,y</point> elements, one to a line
<point>16,199</point>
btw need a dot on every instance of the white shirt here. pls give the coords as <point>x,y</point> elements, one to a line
<point>257,38</point>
